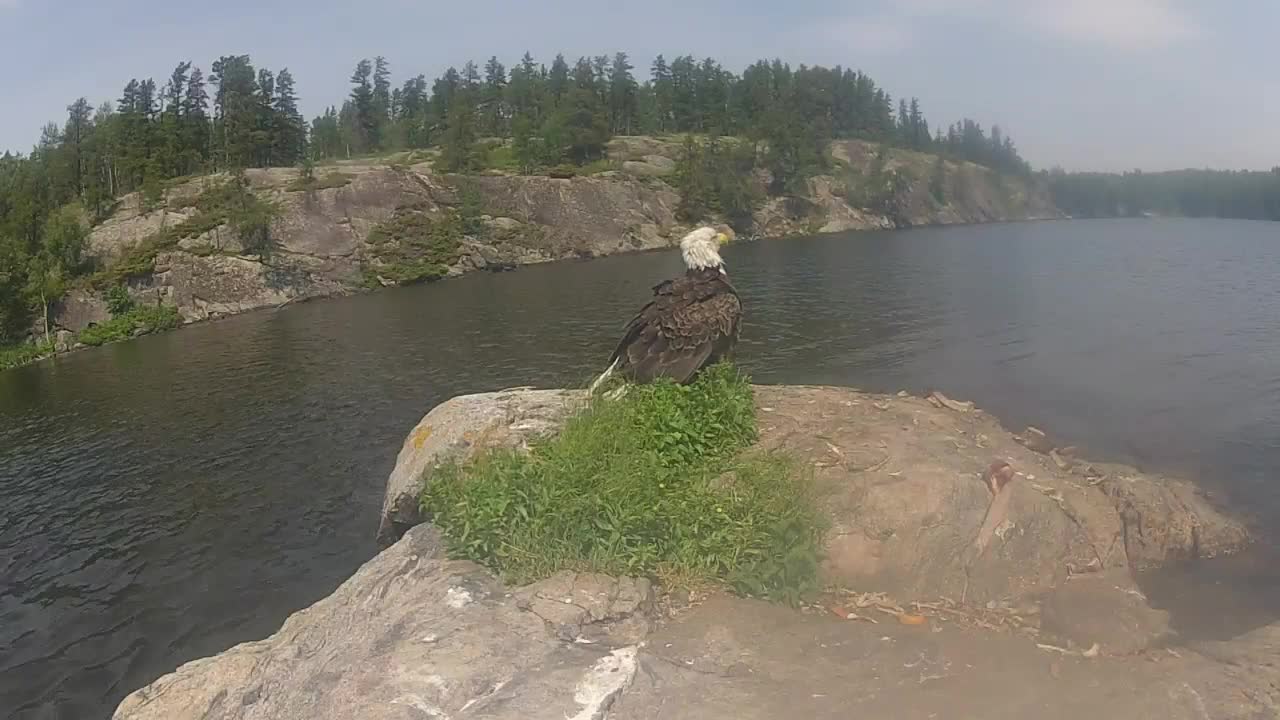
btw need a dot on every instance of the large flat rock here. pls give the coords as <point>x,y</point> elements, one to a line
<point>412,635</point>
<point>903,479</point>
<point>745,660</point>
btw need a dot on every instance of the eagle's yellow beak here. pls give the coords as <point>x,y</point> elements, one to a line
<point>722,238</point>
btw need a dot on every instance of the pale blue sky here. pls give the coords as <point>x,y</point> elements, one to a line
<point>1105,84</point>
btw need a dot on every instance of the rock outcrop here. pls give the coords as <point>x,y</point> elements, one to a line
<point>324,243</point>
<point>962,193</point>
<point>78,310</point>
<point>927,496</point>
<point>456,429</point>
<point>322,237</point>
<point>414,635</point>
<point>906,483</point>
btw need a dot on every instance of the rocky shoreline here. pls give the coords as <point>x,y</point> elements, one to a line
<point>327,239</point>
<point>973,572</point>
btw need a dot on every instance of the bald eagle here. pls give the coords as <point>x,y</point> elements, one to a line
<point>692,321</point>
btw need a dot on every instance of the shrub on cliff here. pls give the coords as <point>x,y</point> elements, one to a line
<point>655,483</point>
<point>414,246</point>
<point>715,176</point>
<point>119,301</point>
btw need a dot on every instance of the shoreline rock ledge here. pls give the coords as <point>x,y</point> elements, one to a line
<point>929,499</point>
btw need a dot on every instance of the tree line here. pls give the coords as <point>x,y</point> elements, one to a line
<point>1251,195</point>
<point>567,112</point>
<point>238,116</point>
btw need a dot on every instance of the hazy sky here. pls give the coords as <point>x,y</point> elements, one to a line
<point>1085,84</point>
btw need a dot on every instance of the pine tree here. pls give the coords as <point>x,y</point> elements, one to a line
<point>364,129</point>
<point>133,137</point>
<point>457,151</point>
<point>662,94</point>
<point>494,98</point>
<point>171,138</point>
<point>76,137</point>
<point>919,138</point>
<point>522,93</point>
<point>646,120</point>
<point>584,115</point>
<point>684,109</point>
<point>381,102</point>
<point>326,136</point>
<point>711,97</point>
<point>289,136</point>
<point>195,124</point>
<point>622,95</point>
<point>471,79</point>
<point>236,110</point>
<point>558,80</point>
<point>443,91</point>
<point>413,116</point>
<point>265,127</point>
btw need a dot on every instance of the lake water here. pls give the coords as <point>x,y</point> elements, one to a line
<point>163,499</point>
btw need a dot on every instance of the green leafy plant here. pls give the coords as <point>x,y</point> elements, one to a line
<point>24,353</point>
<point>656,483</point>
<point>119,301</point>
<point>138,321</point>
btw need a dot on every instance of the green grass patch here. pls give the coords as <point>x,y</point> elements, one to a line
<point>598,166</point>
<point>654,484</point>
<point>501,157</point>
<point>329,181</point>
<point>565,171</point>
<point>139,320</point>
<point>16,355</point>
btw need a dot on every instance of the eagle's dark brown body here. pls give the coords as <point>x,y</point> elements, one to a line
<point>692,322</point>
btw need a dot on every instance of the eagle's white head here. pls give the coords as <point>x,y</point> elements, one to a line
<point>701,248</point>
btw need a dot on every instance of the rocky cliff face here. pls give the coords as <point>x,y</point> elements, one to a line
<point>364,224</point>
<point>323,237</point>
<point>902,189</point>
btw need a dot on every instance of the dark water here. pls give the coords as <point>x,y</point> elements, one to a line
<point>163,499</point>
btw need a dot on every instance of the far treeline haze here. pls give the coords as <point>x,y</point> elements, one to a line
<point>546,116</point>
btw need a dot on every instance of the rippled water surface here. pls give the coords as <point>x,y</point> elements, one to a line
<point>163,499</point>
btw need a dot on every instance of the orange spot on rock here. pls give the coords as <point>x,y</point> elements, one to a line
<point>908,619</point>
<point>420,436</point>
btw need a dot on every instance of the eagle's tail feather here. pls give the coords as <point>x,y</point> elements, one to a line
<point>608,372</point>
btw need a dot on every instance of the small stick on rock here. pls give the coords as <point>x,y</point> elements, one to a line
<point>1034,439</point>
<point>940,400</point>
